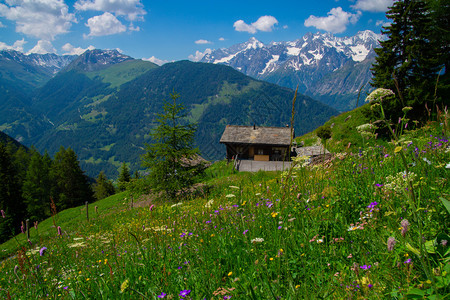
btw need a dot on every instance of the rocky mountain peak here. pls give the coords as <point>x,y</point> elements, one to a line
<point>93,60</point>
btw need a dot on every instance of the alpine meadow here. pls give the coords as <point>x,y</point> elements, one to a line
<point>124,179</point>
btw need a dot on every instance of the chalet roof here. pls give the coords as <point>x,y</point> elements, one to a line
<point>256,135</point>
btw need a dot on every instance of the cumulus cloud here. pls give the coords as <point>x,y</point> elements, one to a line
<point>18,45</point>
<point>221,39</point>
<point>264,23</point>
<point>373,5</point>
<point>155,60</point>
<point>382,23</point>
<point>105,24</point>
<point>202,42</point>
<point>199,55</point>
<point>336,21</point>
<point>43,47</point>
<point>132,9</point>
<point>43,19</point>
<point>69,49</point>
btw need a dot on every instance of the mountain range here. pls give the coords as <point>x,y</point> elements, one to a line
<point>325,67</point>
<point>103,104</point>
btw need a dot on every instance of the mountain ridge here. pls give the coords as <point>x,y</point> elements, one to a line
<point>304,62</point>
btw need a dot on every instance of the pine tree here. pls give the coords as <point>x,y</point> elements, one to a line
<point>124,177</point>
<point>73,187</point>
<point>103,187</point>
<point>11,201</point>
<point>37,186</point>
<point>168,158</point>
<point>407,61</point>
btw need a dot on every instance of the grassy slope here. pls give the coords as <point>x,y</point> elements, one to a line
<point>324,233</point>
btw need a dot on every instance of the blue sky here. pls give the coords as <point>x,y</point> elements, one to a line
<point>173,30</point>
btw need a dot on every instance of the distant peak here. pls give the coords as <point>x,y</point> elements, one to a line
<point>96,59</point>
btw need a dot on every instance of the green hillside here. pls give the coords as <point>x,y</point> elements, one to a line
<point>351,228</point>
<point>107,124</point>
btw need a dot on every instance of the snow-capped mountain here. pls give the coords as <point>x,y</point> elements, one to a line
<point>303,62</point>
<point>49,62</point>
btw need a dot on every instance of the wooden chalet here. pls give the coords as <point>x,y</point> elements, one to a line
<point>257,143</point>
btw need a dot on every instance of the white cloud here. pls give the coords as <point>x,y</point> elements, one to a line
<point>199,55</point>
<point>18,45</point>
<point>71,50</point>
<point>382,23</point>
<point>264,23</point>
<point>155,60</point>
<point>1,25</point>
<point>373,5</point>
<point>43,47</point>
<point>221,39</point>
<point>336,21</point>
<point>133,9</point>
<point>43,19</point>
<point>105,24</point>
<point>134,28</point>
<point>202,42</point>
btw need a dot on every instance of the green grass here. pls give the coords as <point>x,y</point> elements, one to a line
<point>313,232</point>
<point>121,73</point>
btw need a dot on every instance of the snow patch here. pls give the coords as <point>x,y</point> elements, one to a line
<point>293,51</point>
<point>270,66</point>
<point>359,52</point>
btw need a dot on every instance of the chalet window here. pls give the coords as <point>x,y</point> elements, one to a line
<point>260,151</point>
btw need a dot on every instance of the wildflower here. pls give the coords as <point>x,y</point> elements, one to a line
<point>245,231</point>
<point>124,286</point>
<point>227,297</point>
<point>42,251</point>
<point>370,285</point>
<point>280,227</point>
<point>379,93</point>
<point>405,226</point>
<point>230,196</point>
<point>231,273</point>
<point>350,256</point>
<point>185,293</point>
<point>365,267</point>
<point>447,166</point>
<point>257,240</point>
<point>391,243</point>
<point>408,261</point>
<point>3,214</point>
<point>406,109</point>
<point>59,230</point>
<point>151,207</point>
<point>162,295</point>
<point>444,243</point>
<point>372,205</point>
<point>35,224</point>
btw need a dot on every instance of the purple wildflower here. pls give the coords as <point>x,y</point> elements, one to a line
<point>151,207</point>
<point>444,243</point>
<point>370,285</point>
<point>372,205</point>
<point>408,261</point>
<point>405,226</point>
<point>3,213</point>
<point>59,230</point>
<point>162,295</point>
<point>245,231</point>
<point>279,227</point>
<point>391,243</point>
<point>366,267</point>
<point>185,293</point>
<point>42,251</point>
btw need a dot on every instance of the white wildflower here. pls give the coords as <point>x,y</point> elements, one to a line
<point>257,240</point>
<point>379,93</point>
<point>230,196</point>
